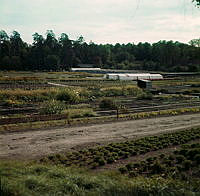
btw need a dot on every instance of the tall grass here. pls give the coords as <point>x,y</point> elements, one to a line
<point>27,95</point>
<point>68,95</point>
<point>26,179</point>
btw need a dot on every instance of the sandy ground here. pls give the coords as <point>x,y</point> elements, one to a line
<point>32,144</point>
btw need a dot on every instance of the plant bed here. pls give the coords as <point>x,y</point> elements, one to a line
<point>183,164</point>
<point>101,155</point>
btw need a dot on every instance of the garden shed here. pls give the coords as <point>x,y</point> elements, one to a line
<point>145,84</point>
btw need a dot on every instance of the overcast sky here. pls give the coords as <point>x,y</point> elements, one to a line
<point>103,21</point>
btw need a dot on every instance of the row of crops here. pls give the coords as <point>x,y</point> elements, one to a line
<point>113,152</point>
<point>183,163</point>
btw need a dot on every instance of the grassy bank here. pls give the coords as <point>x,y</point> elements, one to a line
<point>27,179</point>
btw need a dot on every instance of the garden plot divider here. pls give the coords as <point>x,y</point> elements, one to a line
<point>18,110</point>
<point>5,121</point>
<point>35,118</point>
<point>26,86</point>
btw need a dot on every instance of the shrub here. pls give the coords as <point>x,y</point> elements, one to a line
<point>183,152</point>
<point>129,166</point>
<point>157,168</point>
<point>123,170</point>
<point>171,157</point>
<point>107,103</point>
<point>52,107</point>
<point>68,95</point>
<point>187,164</point>
<point>94,165</point>
<point>180,158</point>
<point>162,156</point>
<point>132,174</point>
<point>101,162</point>
<point>80,113</point>
<point>110,160</point>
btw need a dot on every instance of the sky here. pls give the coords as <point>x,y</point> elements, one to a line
<point>103,21</point>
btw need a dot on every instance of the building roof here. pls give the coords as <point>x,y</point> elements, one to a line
<point>85,69</point>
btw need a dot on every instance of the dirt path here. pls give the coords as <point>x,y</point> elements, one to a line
<point>32,144</point>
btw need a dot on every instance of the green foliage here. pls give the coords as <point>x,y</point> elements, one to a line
<point>180,167</point>
<point>123,170</point>
<point>21,179</point>
<point>180,158</point>
<point>145,95</point>
<point>157,168</point>
<point>187,164</point>
<point>68,95</point>
<point>80,113</point>
<point>28,95</point>
<point>107,103</point>
<point>52,107</point>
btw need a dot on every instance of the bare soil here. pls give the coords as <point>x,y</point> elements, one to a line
<point>34,144</point>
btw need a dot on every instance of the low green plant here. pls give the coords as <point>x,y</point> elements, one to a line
<point>187,164</point>
<point>145,96</point>
<point>107,103</point>
<point>52,107</point>
<point>80,113</point>
<point>68,96</point>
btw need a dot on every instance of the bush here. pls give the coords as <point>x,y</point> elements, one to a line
<point>110,160</point>
<point>52,107</point>
<point>129,166</point>
<point>101,162</point>
<point>157,168</point>
<point>123,170</point>
<point>107,103</point>
<point>187,164</point>
<point>132,174</point>
<point>69,96</point>
<point>80,113</point>
<point>180,158</point>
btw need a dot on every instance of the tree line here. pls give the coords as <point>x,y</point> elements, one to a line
<point>62,53</point>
